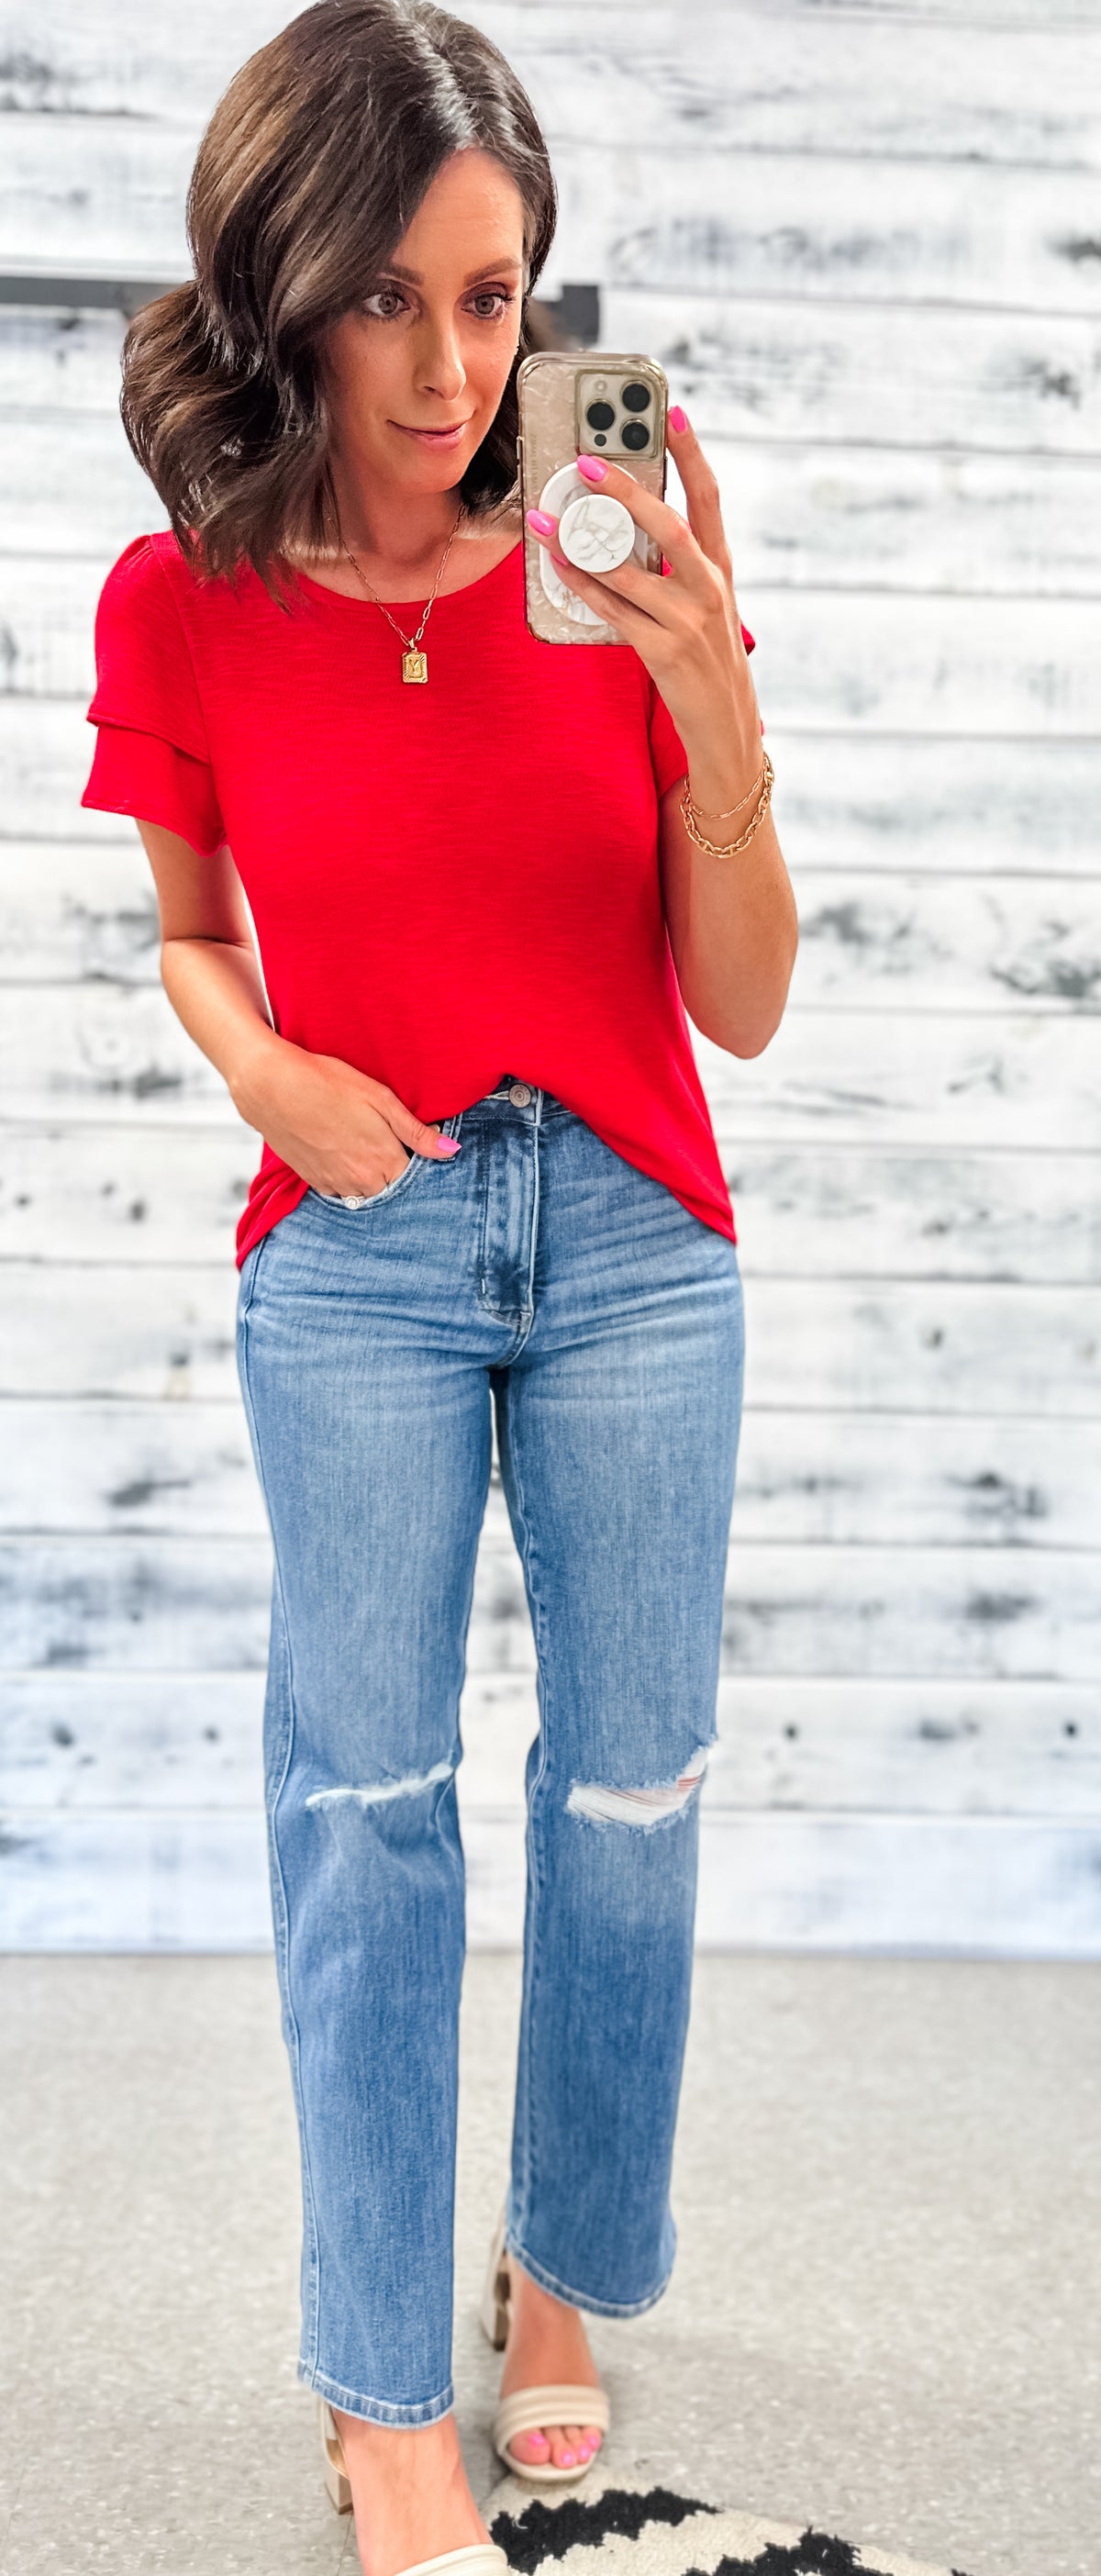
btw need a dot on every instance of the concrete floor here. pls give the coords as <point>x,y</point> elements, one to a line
<point>884,2318</point>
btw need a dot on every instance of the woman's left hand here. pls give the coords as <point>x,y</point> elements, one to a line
<point>683,622</point>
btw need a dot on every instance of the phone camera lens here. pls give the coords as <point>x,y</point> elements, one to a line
<point>600,415</point>
<point>599,439</point>
<point>635,434</point>
<point>636,397</point>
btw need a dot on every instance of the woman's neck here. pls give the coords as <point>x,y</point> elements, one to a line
<point>398,532</point>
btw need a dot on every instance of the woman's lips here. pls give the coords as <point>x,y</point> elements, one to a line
<point>434,437</point>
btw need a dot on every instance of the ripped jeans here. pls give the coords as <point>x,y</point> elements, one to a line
<point>539,1272</point>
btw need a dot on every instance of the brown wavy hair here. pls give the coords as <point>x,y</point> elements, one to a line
<point>311,169</point>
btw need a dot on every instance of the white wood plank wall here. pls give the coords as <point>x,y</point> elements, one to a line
<point>864,241</point>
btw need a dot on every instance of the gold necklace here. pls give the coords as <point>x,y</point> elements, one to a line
<point>414,663</point>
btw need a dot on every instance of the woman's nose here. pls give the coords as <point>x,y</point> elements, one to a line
<point>440,369</point>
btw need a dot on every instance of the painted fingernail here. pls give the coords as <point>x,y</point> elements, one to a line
<point>592,467</point>
<point>748,639</point>
<point>448,1145</point>
<point>543,526</point>
<point>561,562</point>
<point>678,419</point>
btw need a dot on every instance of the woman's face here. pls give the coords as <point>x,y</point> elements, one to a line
<point>416,373</point>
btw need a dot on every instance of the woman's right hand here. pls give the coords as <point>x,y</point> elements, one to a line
<point>339,1130</point>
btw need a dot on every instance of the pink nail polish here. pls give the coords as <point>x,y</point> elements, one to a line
<point>543,526</point>
<point>448,1145</point>
<point>568,2460</point>
<point>561,562</point>
<point>678,419</point>
<point>592,467</point>
<point>748,639</point>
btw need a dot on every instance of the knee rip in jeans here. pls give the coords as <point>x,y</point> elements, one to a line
<point>642,1808</point>
<point>381,1793</point>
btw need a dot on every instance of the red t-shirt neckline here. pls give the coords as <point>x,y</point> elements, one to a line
<point>348,599</point>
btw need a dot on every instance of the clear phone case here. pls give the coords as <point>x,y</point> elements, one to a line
<point>573,403</point>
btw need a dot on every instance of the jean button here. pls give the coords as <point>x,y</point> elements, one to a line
<point>354,1203</point>
<point>520,1094</point>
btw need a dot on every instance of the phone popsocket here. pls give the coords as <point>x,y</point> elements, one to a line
<point>594,532</point>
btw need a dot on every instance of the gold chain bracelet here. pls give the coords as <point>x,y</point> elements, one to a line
<point>762,788</point>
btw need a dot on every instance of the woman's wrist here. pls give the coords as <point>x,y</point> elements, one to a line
<point>724,759</point>
<point>255,1066</point>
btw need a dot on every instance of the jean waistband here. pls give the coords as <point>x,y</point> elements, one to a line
<point>523,1098</point>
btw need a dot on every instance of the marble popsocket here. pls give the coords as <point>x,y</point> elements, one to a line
<point>558,498</point>
<point>596,533</point>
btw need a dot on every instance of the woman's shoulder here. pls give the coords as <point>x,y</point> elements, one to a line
<point>153,578</point>
<point>144,586</point>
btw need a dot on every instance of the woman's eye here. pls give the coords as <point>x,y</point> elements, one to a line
<point>490,302</point>
<point>384,303</point>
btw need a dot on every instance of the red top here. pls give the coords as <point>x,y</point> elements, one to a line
<point>448,883</point>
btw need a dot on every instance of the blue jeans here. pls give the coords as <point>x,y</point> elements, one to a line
<point>538,1271</point>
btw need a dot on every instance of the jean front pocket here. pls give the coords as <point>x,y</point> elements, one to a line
<point>356,1206</point>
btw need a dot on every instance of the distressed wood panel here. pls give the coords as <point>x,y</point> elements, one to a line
<point>1020,1078</point>
<point>121,1882</point>
<point>1032,99</point>
<point>99,1046</point>
<point>151,1197</point>
<point>54,360</point>
<point>68,913</point>
<point>893,228</point>
<point>907,13</point>
<point>45,756</point>
<point>825,513</point>
<point>905,230</point>
<point>850,798</point>
<point>873,275</point>
<point>114,1330</point>
<point>748,368</point>
<point>968,1613</point>
<point>74,1329</point>
<point>823,1477</point>
<point>977,1348</point>
<point>885,1078</point>
<point>919,1884</point>
<point>78,1742</point>
<point>929,941</point>
<point>121,1194</point>
<point>73,487</point>
<point>941,943</point>
<point>834,658</point>
<point>819,513</point>
<point>1002,1216</point>
<point>756,367</point>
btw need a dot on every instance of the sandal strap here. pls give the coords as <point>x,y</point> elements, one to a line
<point>529,2408</point>
<point>481,2559</point>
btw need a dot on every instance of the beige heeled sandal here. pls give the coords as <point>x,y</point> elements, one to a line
<point>529,2409</point>
<point>482,2558</point>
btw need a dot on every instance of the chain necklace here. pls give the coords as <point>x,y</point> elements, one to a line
<point>414,663</point>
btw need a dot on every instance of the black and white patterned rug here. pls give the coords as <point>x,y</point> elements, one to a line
<point>621,2526</point>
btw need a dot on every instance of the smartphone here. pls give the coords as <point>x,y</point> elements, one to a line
<point>583,403</point>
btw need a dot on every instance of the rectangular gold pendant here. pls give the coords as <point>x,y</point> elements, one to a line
<point>414,666</point>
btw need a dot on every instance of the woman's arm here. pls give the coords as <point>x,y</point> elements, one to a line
<point>731,920</point>
<point>732,928</point>
<point>335,1127</point>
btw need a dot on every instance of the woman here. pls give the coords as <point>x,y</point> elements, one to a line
<point>488,1177</point>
